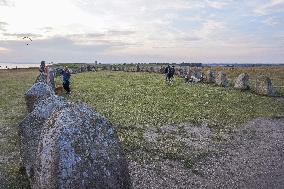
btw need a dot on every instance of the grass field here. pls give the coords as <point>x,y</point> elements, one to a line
<point>14,83</point>
<point>144,99</point>
<point>141,102</point>
<point>136,103</point>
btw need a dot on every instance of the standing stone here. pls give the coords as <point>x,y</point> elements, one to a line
<point>83,69</point>
<point>222,79</point>
<point>30,129</point>
<point>80,149</point>
<point>51,75</point>
<point>42,67</point>
<point>209,77</point>
<point>264,86</point>
<point>89,68</point>
<point>198,74</point>
<point>138,68</point>
<point>162,70</point>
<point>42,77</point>
<point>242,82</point>
<point>36,93</point>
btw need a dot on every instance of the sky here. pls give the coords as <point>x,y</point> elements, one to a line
<point>118,31</point>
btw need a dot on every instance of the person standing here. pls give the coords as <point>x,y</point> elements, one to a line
<point>167,73</point>
<point>66,79</point>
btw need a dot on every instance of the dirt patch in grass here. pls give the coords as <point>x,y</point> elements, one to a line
<point>252,158</point>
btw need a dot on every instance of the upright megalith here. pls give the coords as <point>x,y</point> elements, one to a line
<point>36,93</point>
<point>42,77</point>
<point>30,129</point>
<point>264,86</point>
<point>51,78</point>
<point>209,76</point>
<point>138,68</point>
<point>242,82</point>
<point>79,148</point>
<point>222,79</point>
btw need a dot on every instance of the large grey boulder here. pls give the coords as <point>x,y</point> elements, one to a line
<point>264,86</point>
<point>30,129</point>
<point>222,79</point>
<point>210,76</point>
<point>36,93</point>
<point>242,82</point>
<point>80,149</point>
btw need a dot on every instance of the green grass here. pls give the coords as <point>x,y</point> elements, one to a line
<point>14,83</point>
<point>130,99</point>
<point>139,102</point>
<point>135,103</point>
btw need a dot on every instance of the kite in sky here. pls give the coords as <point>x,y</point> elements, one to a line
<point>27,38</point>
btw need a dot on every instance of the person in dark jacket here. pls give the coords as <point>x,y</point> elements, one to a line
<point>167,73</point>
<point>66,79</point>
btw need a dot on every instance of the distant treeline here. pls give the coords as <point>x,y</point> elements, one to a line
<point>70,65</point>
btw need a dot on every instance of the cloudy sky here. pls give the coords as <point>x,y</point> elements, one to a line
<point>224,31</point>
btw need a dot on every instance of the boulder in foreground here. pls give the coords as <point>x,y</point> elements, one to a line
<point>80,149</point>
<point>30,130</point>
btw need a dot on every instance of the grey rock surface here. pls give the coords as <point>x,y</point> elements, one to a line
<point>242,82</point>
<point>36,93</point>
<point>209,76</point>
<point>42,77</point>
<point>264,86</point>
<point>51,78</point>
<point>30,129</point>
<point>80,149</point>
<point>222,79</point>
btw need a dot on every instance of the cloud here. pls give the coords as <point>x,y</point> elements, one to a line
<point>187,38</point>
<point>120,32</point>
<point>271,6</point>
<point>47,29</point>
<point>271,21</point>
<point>58,48</point>
<point>3,50</point>
<point>3,3</point>
<point>218,4</point>
<point>3,26</point>
<point>130,29</point>
<point>6,3</point>
<point>21,35</point>
<point>209,28</point>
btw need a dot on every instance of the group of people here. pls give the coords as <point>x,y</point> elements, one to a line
<point>65,73</point>
<point>188,78</point>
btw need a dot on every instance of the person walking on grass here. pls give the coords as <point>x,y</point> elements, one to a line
<point>66,79</point>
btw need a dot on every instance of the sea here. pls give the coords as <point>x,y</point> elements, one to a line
<point>6,65</point>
